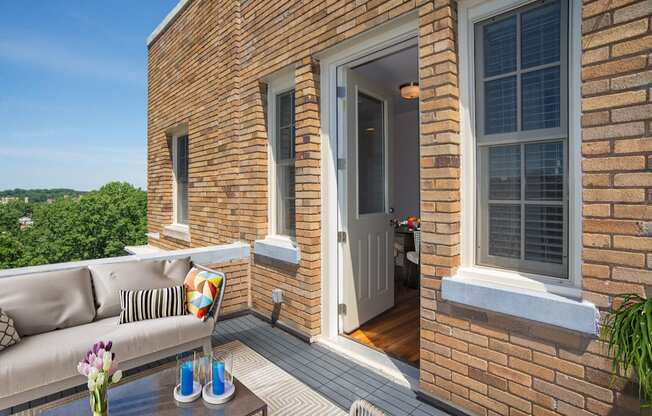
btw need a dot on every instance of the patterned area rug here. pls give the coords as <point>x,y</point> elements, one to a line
<point>284,394</point>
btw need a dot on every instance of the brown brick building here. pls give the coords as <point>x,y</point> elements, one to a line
<point>282,123</point>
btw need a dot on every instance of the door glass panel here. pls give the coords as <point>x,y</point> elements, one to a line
<point>371,155</point>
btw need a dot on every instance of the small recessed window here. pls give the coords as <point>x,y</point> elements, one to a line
<point>180,166</point>
<point>522,139</point>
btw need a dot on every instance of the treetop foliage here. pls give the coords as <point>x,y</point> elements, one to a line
<point>98,224</point>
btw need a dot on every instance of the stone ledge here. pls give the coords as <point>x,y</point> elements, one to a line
<point>177,231</point>
<point>278,248</point>
<point>538,306</point>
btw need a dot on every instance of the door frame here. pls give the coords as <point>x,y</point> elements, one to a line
<point>394,35</point>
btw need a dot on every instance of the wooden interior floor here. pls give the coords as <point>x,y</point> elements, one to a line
<point>396,331</point>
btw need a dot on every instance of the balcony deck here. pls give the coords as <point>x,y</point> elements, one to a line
<point>335,377</point>
<point>332,375</point>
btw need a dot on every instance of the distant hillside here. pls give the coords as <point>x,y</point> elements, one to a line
<point>40,195</point>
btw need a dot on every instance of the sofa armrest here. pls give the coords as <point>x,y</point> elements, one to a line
<point>216,314</point>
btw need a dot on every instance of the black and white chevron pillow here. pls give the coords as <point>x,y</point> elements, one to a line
<point>139,305</point>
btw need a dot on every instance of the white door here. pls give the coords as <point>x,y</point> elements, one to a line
<point>367,252</point>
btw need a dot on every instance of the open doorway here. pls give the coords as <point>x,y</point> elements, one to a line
<point>380,202</point>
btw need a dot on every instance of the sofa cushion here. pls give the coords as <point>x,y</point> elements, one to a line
<point>42,302</point>
<point>8,334</point>
<point>177,269</point>
<point>202,291</point>
<point>109,279</point>
<point>140,305</point>
<point>53,356</point>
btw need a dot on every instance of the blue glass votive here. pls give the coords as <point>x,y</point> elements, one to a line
<point>186,379</point>
<point>218,377</point>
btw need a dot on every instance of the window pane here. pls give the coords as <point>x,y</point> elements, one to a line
<point>544,233</point>
<point>500,105</point>
<point>540,91</point>
<point>182,179</point>
<point>500,47</point>
<point>505,230</point>
<point>505,172</point>
<point>371,155</point>
<point>544,171</point>
<point>286,143</point>
<point>540,35</point>
<point>286,109</point>
<point>286,199</point>
<point>285,172</point>
<point>285,126</point>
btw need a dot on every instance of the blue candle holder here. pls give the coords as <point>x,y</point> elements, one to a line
<point>220,389</point>
<point>188,386</point>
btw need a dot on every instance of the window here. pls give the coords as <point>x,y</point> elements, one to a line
<point>180,163</point>
<point>284,158</point>
<point>521,78</point>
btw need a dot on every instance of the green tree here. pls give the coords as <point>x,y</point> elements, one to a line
<point>99,224</point>
<point>9,215</point>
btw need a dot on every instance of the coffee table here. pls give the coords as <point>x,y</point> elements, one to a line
<point>152,395</point>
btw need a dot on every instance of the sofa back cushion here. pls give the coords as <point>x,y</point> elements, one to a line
<point>43,302</point>
<point>109,279</point>
<point>177,269</point>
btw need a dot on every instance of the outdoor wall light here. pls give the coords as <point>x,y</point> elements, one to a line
<point>410,91</point>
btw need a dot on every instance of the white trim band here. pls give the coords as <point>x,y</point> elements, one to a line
<point>543,307</point>
<point>202,255</point>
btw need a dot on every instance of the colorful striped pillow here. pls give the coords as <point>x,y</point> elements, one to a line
<point>139,305</point>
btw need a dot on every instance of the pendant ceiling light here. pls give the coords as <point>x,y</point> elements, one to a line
<point>410,91</point>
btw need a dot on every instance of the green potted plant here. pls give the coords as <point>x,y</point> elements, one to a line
<point>628,333</point>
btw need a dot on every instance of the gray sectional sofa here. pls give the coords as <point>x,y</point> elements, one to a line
<point>60,314</point>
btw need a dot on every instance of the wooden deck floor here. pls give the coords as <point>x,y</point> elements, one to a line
<point>396,331</point>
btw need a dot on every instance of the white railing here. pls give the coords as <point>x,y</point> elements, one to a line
<point>200,255</point>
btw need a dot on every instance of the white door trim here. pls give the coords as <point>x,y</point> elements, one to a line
<point>357,50</point>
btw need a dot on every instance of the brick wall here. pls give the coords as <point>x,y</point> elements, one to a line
<point>236,294</point>
<point>496,365</point>
<point>207,70</point>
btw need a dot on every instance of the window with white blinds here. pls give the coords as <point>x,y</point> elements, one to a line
<point>522,139</point>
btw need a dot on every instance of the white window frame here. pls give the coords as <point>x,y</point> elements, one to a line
<point>470,13</point>
<point>174,135</point>
<point>279,83</point>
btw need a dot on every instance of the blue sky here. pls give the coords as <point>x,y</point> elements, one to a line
<point>73,91</point>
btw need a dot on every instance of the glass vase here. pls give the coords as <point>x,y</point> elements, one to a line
<point>188,374</point>
<point>221,372</point>
<point>99,399</point>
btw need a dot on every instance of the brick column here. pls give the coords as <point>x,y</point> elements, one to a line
<point>308,191</point>
<point>440,185</point>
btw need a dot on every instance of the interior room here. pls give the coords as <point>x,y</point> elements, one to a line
<point>396,330</point>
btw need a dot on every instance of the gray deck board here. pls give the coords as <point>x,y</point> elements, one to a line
<point>334,376</point>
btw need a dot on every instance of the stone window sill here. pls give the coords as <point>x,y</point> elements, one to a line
<point>177,231</point>
<point>278,248</point>
<point>535,305</point>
